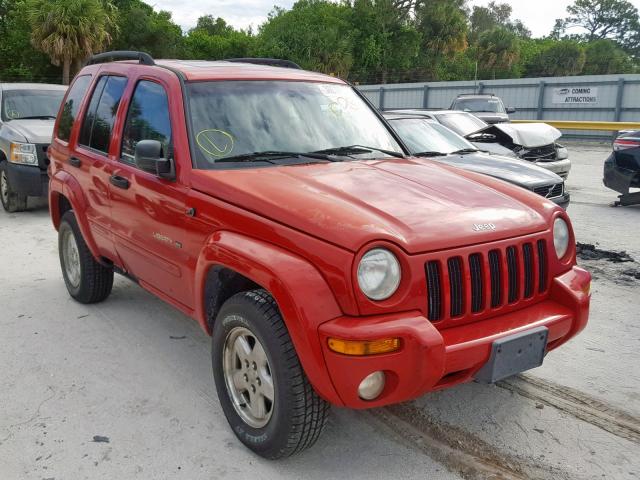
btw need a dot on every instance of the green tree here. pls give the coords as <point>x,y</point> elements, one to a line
<point>605,56</point>
<point>385,44</point>
<point>198,44</point>
<point>442,25</point>
<point>214,26</point>
<point>483,19</point>
<point>69,31</point>
<point>599,19</point>
<point>556,58</point>
<point>498,53</point>
<point>140,27</point>
<point>316,34</point>
<point>19,60</point>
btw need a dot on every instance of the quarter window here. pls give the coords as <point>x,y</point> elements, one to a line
<point>71,106</point>
<point>101,114</point>
<point>148,119</point>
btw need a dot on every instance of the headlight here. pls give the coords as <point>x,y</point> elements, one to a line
<point>24,153</point>
<point>561,152</point>
<point>379,274</point>
<point>560,237</point>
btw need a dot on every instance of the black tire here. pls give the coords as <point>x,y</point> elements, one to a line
<point>11,200</point>
<point>298,414</point>
<point>95,281</point>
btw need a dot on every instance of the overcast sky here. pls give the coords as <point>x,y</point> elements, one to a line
<point>538,15</point>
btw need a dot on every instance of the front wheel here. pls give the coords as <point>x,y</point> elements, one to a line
<point>11,200</point>
<point>264,392</point>
<point>87,281</point>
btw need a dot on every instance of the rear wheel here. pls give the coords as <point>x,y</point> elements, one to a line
<point>12,201</point>
<point>265,395</point>
<point>87,281</point>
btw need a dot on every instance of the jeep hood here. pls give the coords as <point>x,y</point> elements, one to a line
<point>33,130</point>
<point>528,135</point>
<point>417,204</point>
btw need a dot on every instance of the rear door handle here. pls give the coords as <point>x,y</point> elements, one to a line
<point>75,162</point>
<point>118,181</point>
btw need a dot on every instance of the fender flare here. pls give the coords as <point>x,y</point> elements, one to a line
<point>283,275</point>
<point>62,183</point>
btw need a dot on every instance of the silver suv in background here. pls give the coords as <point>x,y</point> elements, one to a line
<point>486,107</point>
<point>27,115</point>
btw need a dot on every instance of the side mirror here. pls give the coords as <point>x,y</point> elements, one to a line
<point>150,158</point>
<point>511,110</point>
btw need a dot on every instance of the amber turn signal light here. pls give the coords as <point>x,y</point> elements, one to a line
<point>364,347</point>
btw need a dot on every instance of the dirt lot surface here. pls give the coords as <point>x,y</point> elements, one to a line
<point>123,389</point>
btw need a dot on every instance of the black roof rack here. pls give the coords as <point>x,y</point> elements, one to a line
<point>143,57</point>
<point>274,62</point>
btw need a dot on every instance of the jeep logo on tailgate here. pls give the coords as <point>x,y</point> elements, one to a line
<point>481,227</point>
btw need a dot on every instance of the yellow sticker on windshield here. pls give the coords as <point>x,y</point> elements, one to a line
<point>216,143</point>
<point>13,114</point>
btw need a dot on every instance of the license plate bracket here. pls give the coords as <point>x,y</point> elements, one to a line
<point>514,354</point>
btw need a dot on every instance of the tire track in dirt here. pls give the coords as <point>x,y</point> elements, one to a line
<point>460,451</point>
<point>577,404</point>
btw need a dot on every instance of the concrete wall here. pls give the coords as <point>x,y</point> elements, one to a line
<point>618,97</point>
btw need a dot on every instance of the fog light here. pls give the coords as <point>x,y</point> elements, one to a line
<point>371,386</point>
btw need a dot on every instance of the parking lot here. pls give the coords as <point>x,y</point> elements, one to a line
<point>124,389</point>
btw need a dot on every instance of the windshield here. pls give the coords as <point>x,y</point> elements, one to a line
<point>461,123</point>
<point>493,105</point>
<point>30,103</point>
<point>241,117</point>
<point>426,136</point>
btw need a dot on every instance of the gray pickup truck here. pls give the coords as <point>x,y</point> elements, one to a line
<point>27,114</point>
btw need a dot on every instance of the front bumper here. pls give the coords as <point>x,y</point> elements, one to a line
<point>431,359</point>
<point>559,167</point>
<point>562,201</point>
<point>28,180</point>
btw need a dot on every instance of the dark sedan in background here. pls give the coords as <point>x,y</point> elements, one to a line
<point>533,142</point>
<point>427,138</point>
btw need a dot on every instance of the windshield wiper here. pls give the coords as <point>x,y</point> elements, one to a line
<point>462,151</point>
<point>429,153</point>
<point>270,155</point>
<point>36,117</point>
<point>358,149</point>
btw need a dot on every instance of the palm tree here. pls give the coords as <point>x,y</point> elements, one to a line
<point>70,31</point>
<point>498,49</point>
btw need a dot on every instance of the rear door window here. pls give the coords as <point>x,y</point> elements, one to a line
<point>101,114</point>
<point>71,106</point>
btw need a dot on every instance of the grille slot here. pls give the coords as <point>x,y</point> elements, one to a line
<point>496,278</point>
<point>434,291</point>
<point>456,286</point>
<point>512,271</point>
<point>527,260</point>
<point>477,296</point>
<point>542,266</point>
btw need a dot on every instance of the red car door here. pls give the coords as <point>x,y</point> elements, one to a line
<point>83,151</point>
<point>148,212</point>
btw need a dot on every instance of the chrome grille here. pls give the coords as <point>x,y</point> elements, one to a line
<point>550,191</point>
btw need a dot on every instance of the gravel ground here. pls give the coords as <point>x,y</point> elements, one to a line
<point>124,389</point>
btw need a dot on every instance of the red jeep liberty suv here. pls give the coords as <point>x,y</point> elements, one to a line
<point>277,208</point>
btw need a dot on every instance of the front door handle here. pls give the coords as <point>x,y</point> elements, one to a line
<point>75,162</point>
<point>118,181</point>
